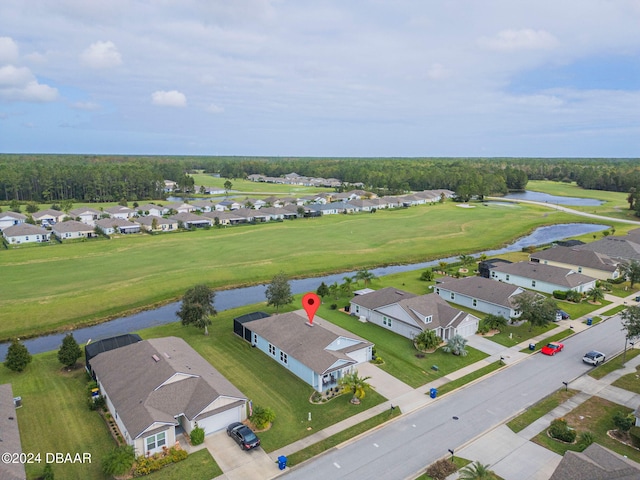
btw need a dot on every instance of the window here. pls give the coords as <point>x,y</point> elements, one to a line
<point>255,338</point>
<point>453,295</point>
<point>386,321</point>
<point>475,302</point>
<point>284,358</point>
<point>272,350</point>
<point>155,441</point>
<point>533,283</point>
<point>507,277</point>
<point>438,291</point>
<point>579,269</point>
<point>428,319</point>
<point>357,308</point>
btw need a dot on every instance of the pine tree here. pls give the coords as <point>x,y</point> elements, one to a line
<point>70,351</point>
<point>18,357</point>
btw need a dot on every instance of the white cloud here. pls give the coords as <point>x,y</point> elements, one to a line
<point>86,106</point>
<point>19,84</point>
<point>101,55</point>
<point>8,50</point>
<point>171,98</point>
<point>525,39</point>
<point>213,108</point>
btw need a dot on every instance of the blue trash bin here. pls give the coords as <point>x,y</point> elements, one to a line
<point>433,393</point>
<point>282,462</point>
<point>589,321</point>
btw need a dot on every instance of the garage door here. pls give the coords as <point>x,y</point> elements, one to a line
<point>219,421</point>
<point>467,329</point>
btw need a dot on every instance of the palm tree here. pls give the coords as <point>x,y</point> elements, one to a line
<point>365,275</point>
<point>346,286</point>
<point>595,294</point>
<point>456,345</point>
<point>476,471</point>
<point>443,266</point>
<point>466,260</point>
<point>354,384</point>
<point>333,290</point>
<point>426,340</point>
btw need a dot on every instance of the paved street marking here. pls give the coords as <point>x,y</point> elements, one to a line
<point>336,465</point>
<point>375,445</point>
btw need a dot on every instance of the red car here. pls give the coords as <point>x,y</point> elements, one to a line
<point>552,348</point>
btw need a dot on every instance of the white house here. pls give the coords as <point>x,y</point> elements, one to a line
<point>48,216</point>
<point>408,314</point>
<point>541,277</point>
<point>117,225</point>
<point>319,354</point>
<point>157,224</point>
<point>72,230</point>
<point>25,233</point>
<point>8,219</point>
<point>153,386</point>
<point>593,264</point>
<point>120,211</point>
<point>85,215</point>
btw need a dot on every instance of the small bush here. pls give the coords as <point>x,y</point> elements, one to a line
<point>441,469</point>
<point>427,276</point>
<point>262,417</point>
<point>623,422</point>
<point>634,433</point>
<point>560,294</point>
<point>118,461</point>
<point>378,361</point>
<point>585,439</point>
<point>197,435</point>
<point>483,327</point>
<point>334,306</point>
<point>561,431</point>
<point>146,465</point>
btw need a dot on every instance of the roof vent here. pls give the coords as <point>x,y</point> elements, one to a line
<point>399,293</point>
<point>166,355</point>
<point>155,357</point>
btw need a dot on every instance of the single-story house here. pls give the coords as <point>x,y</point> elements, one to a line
<point>8,219</point>
<point>117,225</point>
<point>120,211</point>
<point>49,216</point>
<point>10,435</point>
<point>25,233</point>
<point>408,314</point>
<point>179,207</point>
<point>320,353</point>
<point>190,220</point>
<point>170,186</point>
<point>152,209</point>
<point>85,215</point>
<point>227,205</point>
<point>482,294</point>
<point>161,224</point>
<point>412,200</point>
<point>203,205</point>
<point>154,386</point>
<point>72,229</point>
<point>485,266</point>
<point>333,208</point>
<point>93,348</point>
<point>543,278</point>
<point>273,213</point>
<point>248,213</point>
<point>593,264</point>
<point>595,463</point>
<point>623,247</point>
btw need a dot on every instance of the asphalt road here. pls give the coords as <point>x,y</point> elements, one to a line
<point>403,448</point>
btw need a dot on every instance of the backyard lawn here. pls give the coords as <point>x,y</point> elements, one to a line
<point>57,286</point>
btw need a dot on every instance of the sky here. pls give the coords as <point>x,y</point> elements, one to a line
<point>321,78</point>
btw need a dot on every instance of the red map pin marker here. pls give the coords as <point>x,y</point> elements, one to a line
<point>311,303</point>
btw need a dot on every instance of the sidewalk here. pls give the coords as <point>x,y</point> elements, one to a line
<point>409,399</point>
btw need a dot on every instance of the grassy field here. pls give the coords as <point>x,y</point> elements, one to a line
<point>255,188</point>
<point>629,382</point>
<point>60,286</point>
<point>55,417</point>
<point>540,409</point>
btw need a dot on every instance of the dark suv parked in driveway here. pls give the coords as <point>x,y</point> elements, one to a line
<point>243,436</point>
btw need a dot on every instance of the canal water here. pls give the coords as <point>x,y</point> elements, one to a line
<point>238,297</point>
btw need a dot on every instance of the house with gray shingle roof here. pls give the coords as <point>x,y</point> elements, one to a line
<point>117,225</point>
<point>157,224</point>
<point>49,215</point>
<point>25,233</point>
<point>154,386</point>
<point>71,229</point>
<point>595,463</point>
<point>542,278</point>
<point>120,211</point>
<point>408,314</point>
<point>8,219</point>
<point>593,264</point>
<point>10,435</point>
<point>482,294</point>
<point>320,354</point>
<point>190,220</point>
<point>86,215</point>
<point>626,248</point>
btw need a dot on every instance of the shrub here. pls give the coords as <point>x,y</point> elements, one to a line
<point>561,431</point>
<point>623,422</point>
<point>197,435</point>
<point>483,327</point>
<point>441,469</point>
<point>378,361</point>
<point>334,306</point>
<point>146,465</point>
<point>118,461</point>
<point>585,439</point>
<point>560,294</point>
<point>262,417</point>
<point>573,296</point>
<point>634,433</point>
<point>427,276</point>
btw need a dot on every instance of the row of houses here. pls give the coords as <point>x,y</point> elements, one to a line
<point>295,179</point>
<point>83,222</point>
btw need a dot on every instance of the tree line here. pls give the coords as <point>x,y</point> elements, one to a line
<point>104,178</point>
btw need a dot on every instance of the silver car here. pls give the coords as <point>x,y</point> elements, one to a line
<point>593,357</point>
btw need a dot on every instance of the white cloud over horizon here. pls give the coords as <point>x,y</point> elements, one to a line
<point>362,78</point>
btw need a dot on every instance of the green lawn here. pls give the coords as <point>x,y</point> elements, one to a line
<point>512,335</point>
<point>241,186</point>
<point>595,416</point>
<point>612,364</point>
<point>55,417</point>
<point>54,287</point>
<point>468,378</point>
<point>198,465</point>
<point>577,310</point>
<point>556,337</point>
<point>540,409</point>
<point>264,381</point>
<point>398,353</point>
<point>630,381</point>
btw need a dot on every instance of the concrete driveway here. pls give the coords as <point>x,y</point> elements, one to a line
<point>238,464</point>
